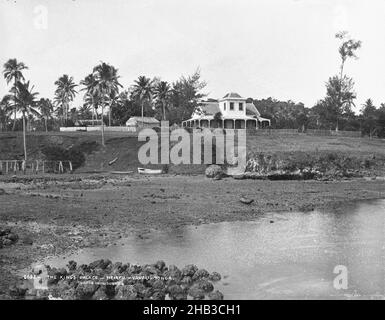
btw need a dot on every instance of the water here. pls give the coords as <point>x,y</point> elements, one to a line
<point>291,258</point>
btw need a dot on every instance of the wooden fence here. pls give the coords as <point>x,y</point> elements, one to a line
<point>35,166</point>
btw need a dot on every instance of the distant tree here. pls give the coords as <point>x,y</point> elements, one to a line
<point>162,94</point>
<point>92,97</point>
<point>6,111</point>
<point>186,94</point>
<point>64,94</point>
<point>142,90</point>
<point>46,109</point>
<point>369,116</point>
<point>25,102</point>
<point>106,77</point>
<point>340,95</point>
<point>13,73</point>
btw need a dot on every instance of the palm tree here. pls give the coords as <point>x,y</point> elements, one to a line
<point>5,110</point>
<point>107,84</point>
<point>65,93</point>
<point>91,98</point>
<point>46,109</point>
<point>142,90</point>
<point>25,102</point>
<point>13,72</point>
<point>162,93</point>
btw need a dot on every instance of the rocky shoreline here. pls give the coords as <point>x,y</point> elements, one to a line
<point>104,280</point>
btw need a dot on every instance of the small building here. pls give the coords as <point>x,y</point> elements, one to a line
<point>230,112</point>
<point>139,122</point>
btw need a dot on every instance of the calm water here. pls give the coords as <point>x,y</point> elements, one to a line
<point>293,257</point>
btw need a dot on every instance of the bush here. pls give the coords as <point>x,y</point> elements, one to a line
<point>73,154</point>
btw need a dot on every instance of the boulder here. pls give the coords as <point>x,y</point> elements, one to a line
<point>200,274</point>
<point>213,171</point>
<point>85,291</point>
<point>189,270</point>
<point>196,293</point>
<point>2,192</point>
<point>216,295</point>
<point>176,292</point>
<point>126,293</point>
<point>204,285</point>
<point>215,276</point>
<point>100,294</point>
<point>160,265</point>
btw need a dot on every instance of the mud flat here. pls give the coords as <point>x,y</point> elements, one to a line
<point>56,216</point>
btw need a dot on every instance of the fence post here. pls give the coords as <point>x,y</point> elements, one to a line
<point>37,166</point>
<point>60,167</point>
<point>70,166</point>
<point>6,166</point>
<point>43,166</point>
<point>15,167</point>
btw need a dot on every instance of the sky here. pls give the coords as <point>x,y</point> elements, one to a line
<point>283,49</point>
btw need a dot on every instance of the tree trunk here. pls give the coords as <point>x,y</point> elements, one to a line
<point>15,111</point>
<point>24,139</point>
<point>103,127</point>
<point>46,124</point>
<point>164,110</point>
<point>109,115</point>
<point>142,113</point>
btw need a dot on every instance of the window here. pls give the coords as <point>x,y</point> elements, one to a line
<point>240,106</point>
<point>224,106</point>
<point>231,105</point>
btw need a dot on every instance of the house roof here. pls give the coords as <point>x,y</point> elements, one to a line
<point>211,108</point>
<point>135,120</point>
<point>251,109</point>
<point>232,95</point>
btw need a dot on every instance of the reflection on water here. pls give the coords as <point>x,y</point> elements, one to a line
<point>278,256</point>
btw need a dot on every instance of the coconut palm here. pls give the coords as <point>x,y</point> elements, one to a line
<point>25,102</point>
<point>65,93</point>
<point>13,72</point>
<point>5,110</point>
<point>91,97</point>
<point>142,90</point>
<point>107,85</point>
<point>162,92</point>
<point>46,109</point>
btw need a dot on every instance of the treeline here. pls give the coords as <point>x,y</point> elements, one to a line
<point>290,115</point>
<point>104,98</point>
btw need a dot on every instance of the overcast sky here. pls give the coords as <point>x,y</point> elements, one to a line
<point>280,48</point>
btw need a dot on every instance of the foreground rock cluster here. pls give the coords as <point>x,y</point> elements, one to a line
<point>7,237</point>
<point>104,280</point>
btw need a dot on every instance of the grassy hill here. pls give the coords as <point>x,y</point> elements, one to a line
<point>125,148</point>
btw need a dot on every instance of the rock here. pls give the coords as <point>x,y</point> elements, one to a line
<point>216,295</point>
<point>173,273</point>
<point>27,241</point>
<point>18,290</point>
<point>176,292</point>
<point>4,232</point>
<point>200,274</point>
<point>71,265</point>
<point>213,171</point>
<point>7,242</point>
<point>126,293</point>
<point>100,294</point>
<point>160,265</point>
<point>215,276</point>
<point>196,293</point>
<point>12,236</point>
<point>204,285</point>
<point>246,200</point>
<point>159,295</point>
<point>2,192</point>
<point>189,270</point>
<point>85,291</point>
<point>158,285</point>
<point>186,280</point>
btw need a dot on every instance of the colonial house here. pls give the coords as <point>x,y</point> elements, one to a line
<point>230,112</point>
